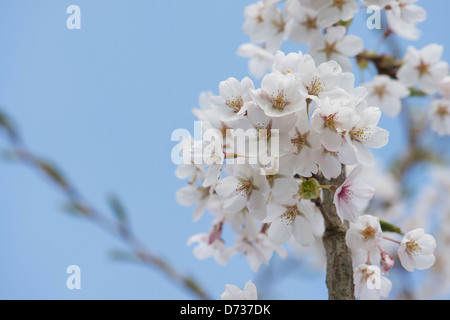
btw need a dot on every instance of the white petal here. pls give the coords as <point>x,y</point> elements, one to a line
<point>212,174</point>
<point>257,205</point>
<point>280,231</point>
<point>303,232</point>
<point>250,291</point>
<point>232,293</point>
<point>331,140</point>
<point>236,203</point>
<point>227,186</point>
<point>284,188</point>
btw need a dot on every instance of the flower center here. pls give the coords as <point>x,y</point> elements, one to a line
<point>235,104</point>
<point>339,3</point>
<point>380,91</point>
<point>315,87</point>
<point>246,185</point>
<point>442,111</point>
<point>291,213</point>
<point>423,68</point>
<point>279,102</point>
<point>299,141</point>
<point>368,233</point>
<point>413,248</point>
<point>346,194</point>
<point>329,121</point>
<point>329,49</point>
<point>310,22</point>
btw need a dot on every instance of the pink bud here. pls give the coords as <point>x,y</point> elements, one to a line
<point>215,233</point>
<point>387,262</point>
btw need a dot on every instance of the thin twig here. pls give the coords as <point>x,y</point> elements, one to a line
<point>78,203</point>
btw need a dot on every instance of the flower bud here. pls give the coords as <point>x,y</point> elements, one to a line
<point>215,233</point>
<point>387,262</point>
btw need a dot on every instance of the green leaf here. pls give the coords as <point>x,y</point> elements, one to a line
<point>413,92</point>
<point>123,256</point>
<point>77,209</point>
<point>5,123</point>
<point>388,227</point>
<point>53,173</point>
<point>117,208</point>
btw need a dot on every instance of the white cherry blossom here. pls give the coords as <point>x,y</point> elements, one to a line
<point>265,23</point>
<point>417,250</point>
<point>387,94</point>
<point>258,249</point>
<point>234,98</point>
<point>369,283</point>
<point>330,119</point>
<point>366,134</point>
<point>279,95</point>
<point>234,293</point>
<point>318,82</point>
<point>440,116</point>
<point>303,142</point>
<point>245,188</point>
<point>304,26</point>
<point>423,68</point>
<point>193,194</point>
<point>403,16</point>
<point>332,11</point>
<point>365,233</point>
<point>445,87</point>
<point>336,45</point>
<point>290,218</point>
<point>260,59</point>
<point>206,248</point>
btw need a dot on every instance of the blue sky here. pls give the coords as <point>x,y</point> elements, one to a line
<point>102,103</point>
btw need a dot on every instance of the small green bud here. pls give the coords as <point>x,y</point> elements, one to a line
<point>310,189</point>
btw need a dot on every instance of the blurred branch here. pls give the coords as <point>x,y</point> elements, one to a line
<point>118,228</point>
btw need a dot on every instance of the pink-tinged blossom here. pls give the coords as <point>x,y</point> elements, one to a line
<point>352,197</point>
<point>387,262</point>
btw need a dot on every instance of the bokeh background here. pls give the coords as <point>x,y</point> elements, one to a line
<point>102,102</point>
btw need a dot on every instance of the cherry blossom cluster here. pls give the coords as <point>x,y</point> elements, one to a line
<point>306,124</point>
<point>321,24</point>
<point>365,237</point>
<point>322,122</point>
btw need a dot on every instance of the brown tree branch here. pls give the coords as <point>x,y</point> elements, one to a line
<point>339,278</point>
